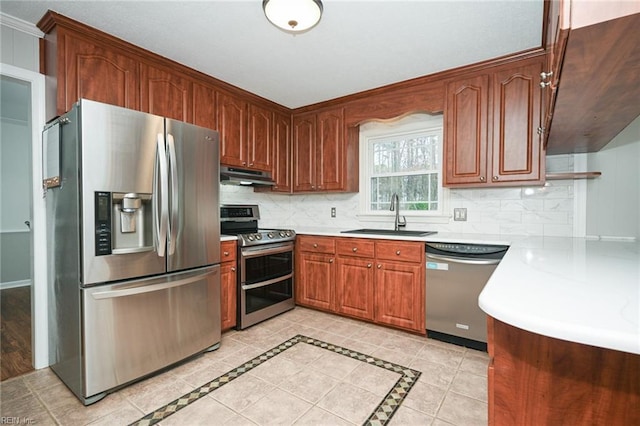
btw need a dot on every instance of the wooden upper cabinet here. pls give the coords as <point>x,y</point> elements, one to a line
<point>246,131</point>
<point>324,160</point>
<point>204,106</point>
<point>260,133</point>
<point>517,153</point>
<point>466,130</point>
<point>304,154</point>
<point>165,93</point>
<point>330,151</point>
<point>281,164</point>
<point>232,125</point>
<point>492,127</point>
<point>91,71</point>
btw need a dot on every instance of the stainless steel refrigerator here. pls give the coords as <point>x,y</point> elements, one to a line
<point>133,245</point>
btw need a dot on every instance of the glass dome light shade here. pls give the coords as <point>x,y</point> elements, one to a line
<point>293,15</point>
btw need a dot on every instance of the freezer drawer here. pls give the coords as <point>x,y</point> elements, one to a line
<point>134,328</point>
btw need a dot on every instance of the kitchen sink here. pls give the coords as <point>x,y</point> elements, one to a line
<point>390,232</point>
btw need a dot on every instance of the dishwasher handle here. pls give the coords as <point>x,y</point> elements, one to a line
<point>466,261</point>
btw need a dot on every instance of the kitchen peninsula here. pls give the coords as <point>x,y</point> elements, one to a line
<point>564,328</point>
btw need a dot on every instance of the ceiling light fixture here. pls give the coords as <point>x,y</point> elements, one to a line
<point>293,16</point>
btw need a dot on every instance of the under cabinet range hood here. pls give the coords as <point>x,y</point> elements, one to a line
<point>238,176</point>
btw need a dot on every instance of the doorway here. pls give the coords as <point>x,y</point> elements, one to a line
<point>23,312</point>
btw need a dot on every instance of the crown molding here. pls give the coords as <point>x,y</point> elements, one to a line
<point>20,25</point>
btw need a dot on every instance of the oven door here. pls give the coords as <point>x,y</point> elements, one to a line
<point>266,282</point>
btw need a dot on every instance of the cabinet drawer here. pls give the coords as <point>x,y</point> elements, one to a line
<point>316,244</point>
<point>228,251</point>
<point>400,251</point>
<point>355,247</point>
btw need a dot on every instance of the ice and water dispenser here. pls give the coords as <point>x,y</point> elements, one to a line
<point>124,223</point>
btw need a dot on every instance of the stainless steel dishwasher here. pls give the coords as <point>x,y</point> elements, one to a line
<point>456,274</point>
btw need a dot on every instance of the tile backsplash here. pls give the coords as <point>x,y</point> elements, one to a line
<point>542,211</point>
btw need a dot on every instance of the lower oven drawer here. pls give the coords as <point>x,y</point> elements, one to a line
<point>262,301</point>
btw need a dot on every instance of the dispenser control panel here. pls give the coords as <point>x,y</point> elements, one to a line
<point>103,223</point>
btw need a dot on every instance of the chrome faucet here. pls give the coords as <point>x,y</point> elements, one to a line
<point>395,205</point>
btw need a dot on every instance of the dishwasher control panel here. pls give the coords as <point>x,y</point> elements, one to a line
<point>467,250</point>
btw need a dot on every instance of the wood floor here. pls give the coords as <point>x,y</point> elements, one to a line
<point>15,331</point>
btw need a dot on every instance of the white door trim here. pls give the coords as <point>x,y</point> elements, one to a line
<point>39,311</point>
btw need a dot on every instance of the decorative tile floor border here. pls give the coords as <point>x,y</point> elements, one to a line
<point>380,416</point>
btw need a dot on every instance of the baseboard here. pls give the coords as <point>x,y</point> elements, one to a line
<point>14,284</point>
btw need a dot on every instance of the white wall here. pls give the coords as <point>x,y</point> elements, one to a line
<point>20,45</point>
<point>613,200</point>
<point>538,211</point>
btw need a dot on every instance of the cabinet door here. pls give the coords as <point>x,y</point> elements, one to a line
<point>315,282</point>
<point>330,164</point>
<point>399,295</point>
<point>304,154</point>
<point>354,287</point>
<point>259,147</point>
<point>97,73</point>
<point>164,93</point>
<point>516,118</point>
<point>466,131</point>
<point>204,106</point>
<point>228,294</point>
<point>232,123</point>
<point>281,170</point>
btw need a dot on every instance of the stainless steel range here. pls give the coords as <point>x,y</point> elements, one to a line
<point>265,264</point>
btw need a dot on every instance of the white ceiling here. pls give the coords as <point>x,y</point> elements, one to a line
<point>358,45</point>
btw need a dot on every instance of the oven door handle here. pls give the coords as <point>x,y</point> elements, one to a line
<point>261,251</point>
<point>266,283</point>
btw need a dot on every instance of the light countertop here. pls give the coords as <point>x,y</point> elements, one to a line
<point>574,289</point>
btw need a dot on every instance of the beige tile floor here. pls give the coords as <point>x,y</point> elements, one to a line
<point>304,385</point>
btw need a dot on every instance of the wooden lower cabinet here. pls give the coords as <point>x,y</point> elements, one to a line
<point>354,277</point>
<point>400,297</point>
<point>317,272</point>
<point>228,285</point>
<point>355,287</point>
<point>539,380</point>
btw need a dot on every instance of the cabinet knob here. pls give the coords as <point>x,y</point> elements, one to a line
<point>398,252</point>
<point>226,253</point>
<point>496,178</point>
<point>244,163</point>
<point>482,179</point>
<point>369,265</point>
<point>546,75</point>
<point>379,266</point>
<point>544,84</point>
<point>251,164</point>
<point>233,269</point>
<point>315,245</point>
<point>355,249</point>
<point>330,260</point>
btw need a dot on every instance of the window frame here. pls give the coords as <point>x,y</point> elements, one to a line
<point>408,125</point>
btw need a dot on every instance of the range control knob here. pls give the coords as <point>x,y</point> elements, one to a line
<point>283,234</point>
<point>258,236</point>
<point>270,235</point>
<point>250,237</point>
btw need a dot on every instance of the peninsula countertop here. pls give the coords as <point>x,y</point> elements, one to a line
<point>580,290</point>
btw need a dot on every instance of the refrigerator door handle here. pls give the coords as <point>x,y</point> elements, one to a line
<point>161,212</point>
<point>175,196</point>
<point>147,288</point>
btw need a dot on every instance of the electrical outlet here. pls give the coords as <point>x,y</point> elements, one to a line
<point>333,212</point>
<point>460,214</point>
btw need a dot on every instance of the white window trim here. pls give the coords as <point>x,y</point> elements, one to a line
<point>377,129</point>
